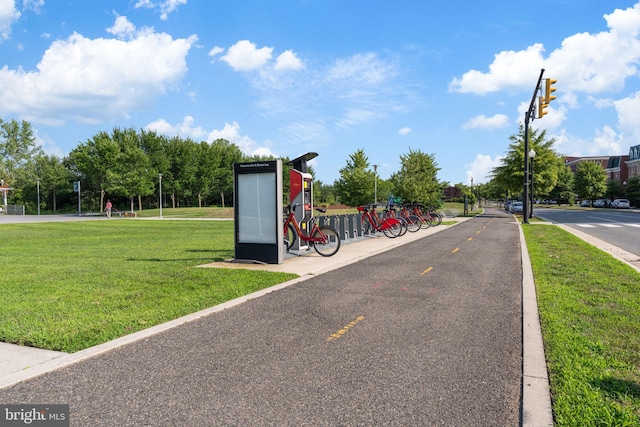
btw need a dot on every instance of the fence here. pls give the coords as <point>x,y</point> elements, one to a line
<point>12,210</point>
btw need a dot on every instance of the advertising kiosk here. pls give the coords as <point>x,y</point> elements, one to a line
<point>258,229</point>
<point>301,194</point>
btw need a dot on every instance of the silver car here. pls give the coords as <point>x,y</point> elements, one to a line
<point>621,204</point>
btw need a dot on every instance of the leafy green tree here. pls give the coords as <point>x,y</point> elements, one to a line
<point>17,148</point>
<point>564,189</point>
<point>614,190</point>
<point>133,176</point>
<point>54,178</point>
<point>94,163</point>
<point>633,190</point>
<point>590,180</point>
<point>546,164</point>
<point>224,155</point>
<point>356,184</point>
<point>182,170</point>
<point>417,180</point>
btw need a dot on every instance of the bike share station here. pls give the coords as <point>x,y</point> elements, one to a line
<point>258,210</point>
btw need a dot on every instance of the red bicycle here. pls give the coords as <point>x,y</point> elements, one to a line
<point>324,238</point>
<point>391,227</point>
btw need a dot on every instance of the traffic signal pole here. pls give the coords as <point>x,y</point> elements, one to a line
<point>529,115</point>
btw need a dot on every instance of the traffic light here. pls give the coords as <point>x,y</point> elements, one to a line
<point>541,107</point>
<point>549,90</point>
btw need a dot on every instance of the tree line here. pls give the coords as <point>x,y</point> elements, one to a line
<point>126,166</point>
<point>552,178</point>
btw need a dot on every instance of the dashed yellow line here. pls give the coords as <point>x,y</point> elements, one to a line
<point>455,250</point>
<point>470,238</point>
<point>426,271</point>
<point>345,329</point>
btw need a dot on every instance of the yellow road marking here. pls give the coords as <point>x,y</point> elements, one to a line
<point>426,271</point>
<point>344,330</point>
<point>470,238</point>
<point>455,250</point>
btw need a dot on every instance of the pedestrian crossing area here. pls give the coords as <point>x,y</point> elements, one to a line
<point>614,225</point>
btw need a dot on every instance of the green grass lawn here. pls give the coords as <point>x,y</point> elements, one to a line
<point>68,286</point>
<point>589,305</point>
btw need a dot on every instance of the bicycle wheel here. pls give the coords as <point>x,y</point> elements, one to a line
<point>366,227</point>
<point>328,241</point>
<point>290,237</point>
<point>427,221</point>
<point>437,218</point>
<point>404,226</point>
<point>413,223</point>
<point>392,229</point>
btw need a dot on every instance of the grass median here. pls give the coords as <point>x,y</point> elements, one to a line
<point>69,286</point>
<point>589,307</point>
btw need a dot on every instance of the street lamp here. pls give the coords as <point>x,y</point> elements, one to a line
<point>375,184</point>
<point>38,181</point>
<point>532,155</point>
<point>160,190</point>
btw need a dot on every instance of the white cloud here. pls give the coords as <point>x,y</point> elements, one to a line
<point>165,7</point>
<point>404,131</point>
<point>481,167</point>
<point>231,132</point>
<point>215,50</point>
<point>122,28</point>
<point>184,129</point>
<point>8,15</point>
<point>482,122</point>
<point>585,62</point>
<point>509,69</point>
<point>244,56</point>
<point>288,61</point>
<point>629,119</point>
<point>95,79</point>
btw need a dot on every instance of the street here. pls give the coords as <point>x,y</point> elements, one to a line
<point>617,227</point>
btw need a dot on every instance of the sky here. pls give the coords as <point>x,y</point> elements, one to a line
<point>287,77</point>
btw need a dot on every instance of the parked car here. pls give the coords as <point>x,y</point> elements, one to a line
<point>621,204</point>
<point>585,203</point>
<point>516,207</point>
<point>602,203</point>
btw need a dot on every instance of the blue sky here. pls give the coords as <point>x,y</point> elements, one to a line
<point>286,77</point>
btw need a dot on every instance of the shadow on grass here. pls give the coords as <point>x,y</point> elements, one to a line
<point>213,256</point>
<point>616,388</point>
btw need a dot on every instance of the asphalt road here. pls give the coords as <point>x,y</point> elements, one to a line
<point>617,227</point>
<point>426,334</point>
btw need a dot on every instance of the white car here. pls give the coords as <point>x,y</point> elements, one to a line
<point>621,204</point>
<point>516,207</point>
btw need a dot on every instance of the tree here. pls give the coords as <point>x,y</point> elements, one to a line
<point>546,165</point>
<point>54,177</point>
<point>633,190</point>
<point>224,155</point>
<point>356,184</point>
<point>564,189</point>
<point>615,190</point>
<point>94,162</point>
<point>417,179</point>
<point>590,180</point>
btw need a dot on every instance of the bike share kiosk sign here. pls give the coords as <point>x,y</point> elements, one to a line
<point>301,194</point>
<point>258,233</point>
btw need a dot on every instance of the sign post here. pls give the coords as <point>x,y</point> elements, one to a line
<point>76,188</point>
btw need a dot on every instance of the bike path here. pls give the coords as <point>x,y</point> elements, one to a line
<point>428,333</point>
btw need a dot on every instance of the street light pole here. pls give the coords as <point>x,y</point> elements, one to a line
<point>375,184</point>
<point>532,155</point>
<point>38,181</point>
<point>160,191</point>
<point>528,116</point>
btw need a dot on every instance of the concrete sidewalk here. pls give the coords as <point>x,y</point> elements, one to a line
<point>20,363</point>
